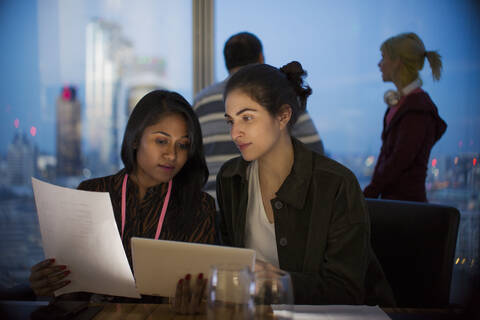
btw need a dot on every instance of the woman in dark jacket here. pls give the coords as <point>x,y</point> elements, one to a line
<point>411,124</point>
<point>300,211</point>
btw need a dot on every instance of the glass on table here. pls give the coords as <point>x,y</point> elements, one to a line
<point>230,292</point>
<point>273,291</point>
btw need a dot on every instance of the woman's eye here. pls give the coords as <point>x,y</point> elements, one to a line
<point>247,118</point>
<point>161,141</point>
<point>184,146</point>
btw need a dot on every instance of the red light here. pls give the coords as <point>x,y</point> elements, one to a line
<point>474,162</point>
<point>434,162</point>
<point>66,93</point>
<point>16,123</point>
<point>33,131</point>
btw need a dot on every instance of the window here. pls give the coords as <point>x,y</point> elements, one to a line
<point>338,43</point>
<point>72,72</point>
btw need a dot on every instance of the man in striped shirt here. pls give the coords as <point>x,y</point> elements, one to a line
<point>240,49</point>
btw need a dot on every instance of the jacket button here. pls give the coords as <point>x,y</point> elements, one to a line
<point>278,205</point>
<point>283,241</point>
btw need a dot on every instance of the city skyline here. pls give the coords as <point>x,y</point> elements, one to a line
<point>346,105</point>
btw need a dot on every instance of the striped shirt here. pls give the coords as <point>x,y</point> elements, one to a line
<point>142,215</point>
<point>218,145</point>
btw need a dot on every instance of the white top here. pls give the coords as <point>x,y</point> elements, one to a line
<point>259,232</point>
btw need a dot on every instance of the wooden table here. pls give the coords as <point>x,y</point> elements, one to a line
<point>163,312</point>
<point>22,310</point>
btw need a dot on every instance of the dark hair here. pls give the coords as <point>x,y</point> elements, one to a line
<point>241,49</point>
<point>272,88</point>
<point>148,111</point>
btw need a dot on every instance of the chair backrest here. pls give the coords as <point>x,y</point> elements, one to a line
<point>415,244</point>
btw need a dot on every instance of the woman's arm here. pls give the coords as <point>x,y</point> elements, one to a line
<point>412,131</point>
<point>341,276</point>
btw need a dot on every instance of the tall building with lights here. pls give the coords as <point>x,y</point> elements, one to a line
<point>21,161</point>
<point>107,52</point>
<point>69,133</point>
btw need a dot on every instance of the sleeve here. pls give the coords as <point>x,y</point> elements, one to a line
<point>341,278</point>
<point>222,233</point>
<point>413,130</point>
<point>305,131</point>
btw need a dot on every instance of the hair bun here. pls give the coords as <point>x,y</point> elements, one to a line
<point>295,74</point>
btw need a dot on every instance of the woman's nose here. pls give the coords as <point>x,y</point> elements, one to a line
<point>235,132</point>
<point>171,153</point>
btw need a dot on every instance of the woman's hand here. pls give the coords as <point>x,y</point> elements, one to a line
<point>188,300</point>
<point>264,266</point>
<point>46,278</point>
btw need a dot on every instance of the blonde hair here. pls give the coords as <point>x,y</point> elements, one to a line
<point>409,48</point>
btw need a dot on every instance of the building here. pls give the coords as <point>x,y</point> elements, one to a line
<point>107,52</point>
<point>69,133</point>
<point>21,161</point>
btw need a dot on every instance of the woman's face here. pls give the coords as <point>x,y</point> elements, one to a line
<point>162,150</point>
<point>252,127</point>
<point>388,67</point>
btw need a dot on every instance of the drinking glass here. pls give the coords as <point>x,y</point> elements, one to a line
<point>273,291</point>
<point>230,292</point>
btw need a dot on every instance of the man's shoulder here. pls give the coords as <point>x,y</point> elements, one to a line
<point>209,94</point>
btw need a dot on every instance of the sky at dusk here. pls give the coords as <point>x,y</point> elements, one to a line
<point>43,48</point>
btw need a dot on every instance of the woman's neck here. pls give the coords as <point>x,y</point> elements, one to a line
<point>275,166</point>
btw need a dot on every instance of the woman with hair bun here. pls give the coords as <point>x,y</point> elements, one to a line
<point>411,124</point>
<point>302,212</point>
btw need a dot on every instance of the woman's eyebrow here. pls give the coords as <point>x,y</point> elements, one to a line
<point>241,111</point>
<point>166,134</point>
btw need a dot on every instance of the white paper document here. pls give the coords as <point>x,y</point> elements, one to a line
<point>78,229</point>
<point>334,312</point>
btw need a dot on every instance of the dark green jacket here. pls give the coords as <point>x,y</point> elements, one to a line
<point>322,229</point>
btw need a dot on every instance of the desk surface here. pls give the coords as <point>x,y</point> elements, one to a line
<point>22,310</point>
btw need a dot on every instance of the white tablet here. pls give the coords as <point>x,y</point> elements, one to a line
<point>159,264</point>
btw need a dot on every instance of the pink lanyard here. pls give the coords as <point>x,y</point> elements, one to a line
<point>164,208</point>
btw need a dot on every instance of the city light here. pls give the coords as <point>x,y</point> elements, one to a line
<point>434,162</point>
<point>455,161</point>
<point>16,123</point>
<point>33,131</point>
<point>474,162</point>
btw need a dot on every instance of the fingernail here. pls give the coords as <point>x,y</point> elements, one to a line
<point>188,277</point>
<point>200,276</point>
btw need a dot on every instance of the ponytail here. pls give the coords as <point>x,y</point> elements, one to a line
<point>435,61</point>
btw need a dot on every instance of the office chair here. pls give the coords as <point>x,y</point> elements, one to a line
<point>415,244</point>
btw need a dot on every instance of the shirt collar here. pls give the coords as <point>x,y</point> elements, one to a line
<point>294,189</point>
<point>417,83</point>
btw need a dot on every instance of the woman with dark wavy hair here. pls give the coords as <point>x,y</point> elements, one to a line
<point>302,212</point>
<point>158,193</point>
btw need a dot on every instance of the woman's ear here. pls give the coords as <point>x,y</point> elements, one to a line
<point>284,115</point>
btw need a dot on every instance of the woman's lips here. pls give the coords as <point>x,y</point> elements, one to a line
<point>167,168</point>
<point>243,146</point>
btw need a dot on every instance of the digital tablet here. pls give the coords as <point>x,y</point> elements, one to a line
<point>159,264</point>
